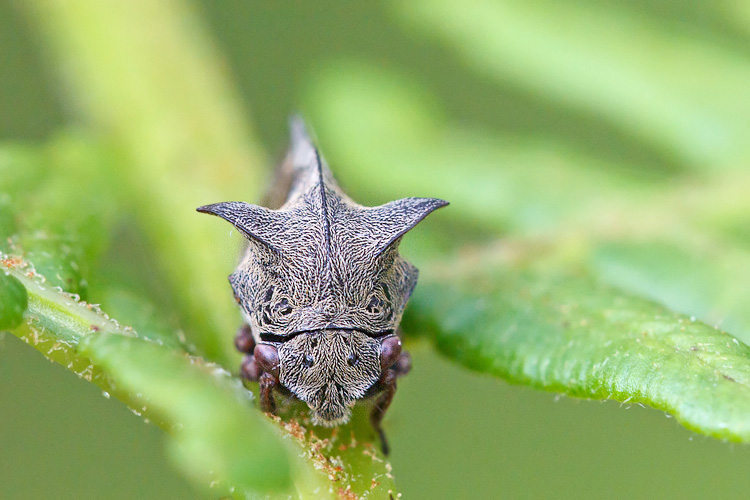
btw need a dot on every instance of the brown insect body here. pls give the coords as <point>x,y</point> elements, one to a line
<point>322,288</point>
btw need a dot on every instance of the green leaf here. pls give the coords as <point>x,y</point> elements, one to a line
<point>573,335</point>
<point>43,214</point>
<point>143,316</point>
<point>13,302</point>
<point>709,282</point>
<point>218,436</point>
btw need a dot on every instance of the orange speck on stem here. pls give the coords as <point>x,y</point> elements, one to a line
<point>12,262</point>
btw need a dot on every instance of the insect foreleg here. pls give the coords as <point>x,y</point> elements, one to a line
<point>388,383</point>
<point>267,384</point>
<point>267,358</point>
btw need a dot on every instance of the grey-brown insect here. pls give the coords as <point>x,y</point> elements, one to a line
<point>322,288</point>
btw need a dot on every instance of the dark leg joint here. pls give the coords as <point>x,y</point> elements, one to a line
<point>244,341</point>
<point>249,368</point>
<point>267,384</point>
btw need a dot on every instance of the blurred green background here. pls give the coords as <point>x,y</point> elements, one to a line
<point>553,97</point>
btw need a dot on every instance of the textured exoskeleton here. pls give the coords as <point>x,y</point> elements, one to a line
<point>322,288</point>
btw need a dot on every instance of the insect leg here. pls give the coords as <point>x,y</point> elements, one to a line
<point>388,383</point>
<point>267,359</point>
<point>249,369</point>
<point>244,342</point>
<point>267,384</point>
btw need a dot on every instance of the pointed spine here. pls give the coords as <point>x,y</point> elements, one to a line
<point>324,214</point>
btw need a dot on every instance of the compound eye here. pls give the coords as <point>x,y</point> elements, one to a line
<point>275,309</point>
<point>375,306</point>
<point>282,307</point>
